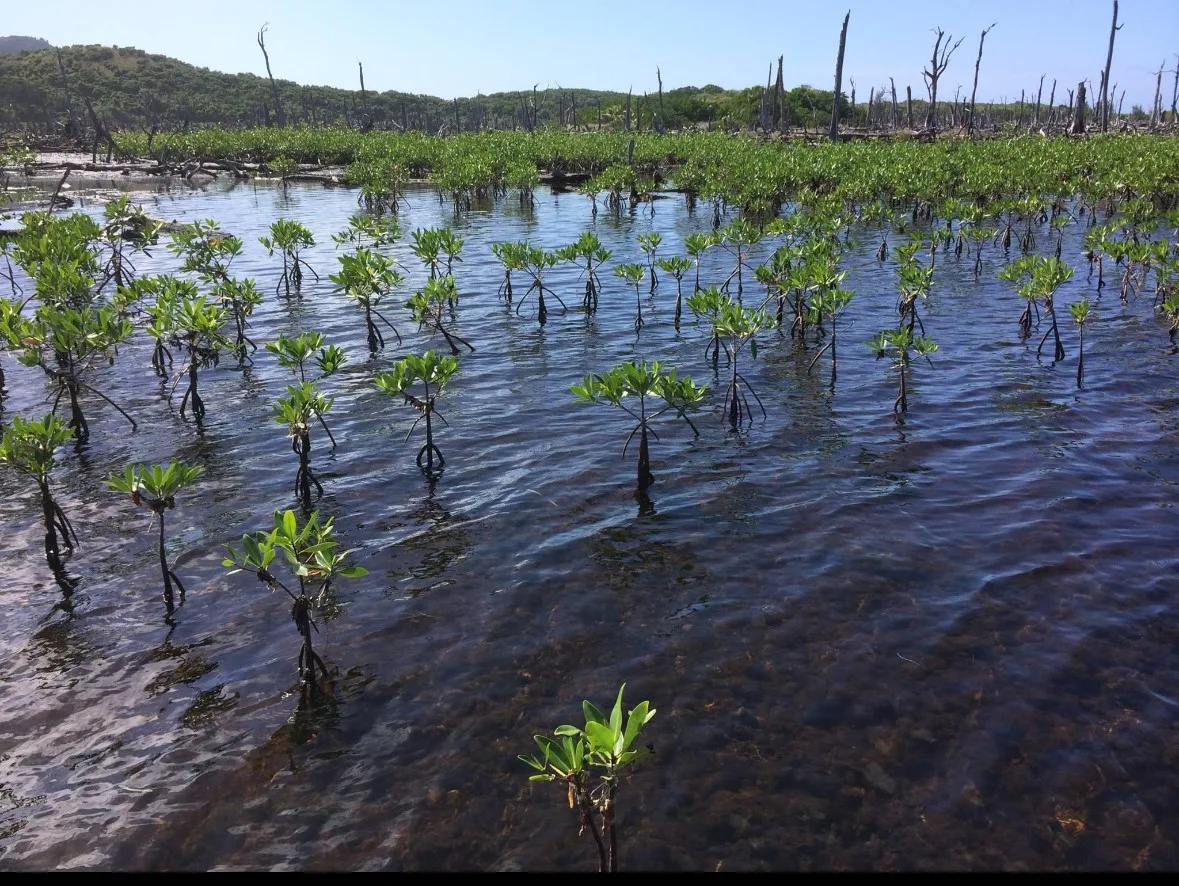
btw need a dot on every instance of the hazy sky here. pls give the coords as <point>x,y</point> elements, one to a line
<point>460,47</point>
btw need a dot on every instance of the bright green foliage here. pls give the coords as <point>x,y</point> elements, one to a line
<point>311,553</point>
<point>590,760</point>
<point>289,238</point>
<point>632,273</point>
<point>901,345</point>
<point>513,256</point>
<point>677,266</point>
<point>433,372</point>
<point>587,250</point>
<point>367,277</point>
<point>642,381</point>
<point>127,229</point>
<point>429,305</point>
<point>650,244</point>
<point>196,327</point>
<point>371,231</point>
<point>537,263</point>
<point>28,447</point>
<point>205,250</point>
<point>295,353</point>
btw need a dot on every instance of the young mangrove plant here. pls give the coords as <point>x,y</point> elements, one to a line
<point>632,273</point>
<point>828,304</point>
<point>738,237</point>
<point>369,231</point>
<point>1037,278</point>
<point>289,238</point>
<point>239,298</point>
<point>513,257</point>
<point>587,249</point>
<point>677,266</point>
<point>650,244</point>
<point>427,308</point>
<point>295,354</point>
<point>127,230</point>
<point>1081,312</point>
<point>737,326</point>
<point>196,327</point>
<point>536,262</point>
<point>205,250</point>
<point>156,488</point>
<point>589,762</point>
<point>66,343</point>
<point>706,304</point>
<point>645,382</point>
<point>696,245</point>
<point>901,345</point>
<point>433,373</point>
<point>27,446</point>
<point>296,410</point>
<point>366,277</point>
<point>914,281</point>
<point>311,554</point>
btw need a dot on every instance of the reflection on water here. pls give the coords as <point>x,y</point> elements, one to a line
<point>942,642</point>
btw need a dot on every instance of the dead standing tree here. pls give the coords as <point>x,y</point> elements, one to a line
<point>834,133</point>
<point>1105,96</point>
<point>1078,127</point>
<point>279,114</point>
<point>937,66</point>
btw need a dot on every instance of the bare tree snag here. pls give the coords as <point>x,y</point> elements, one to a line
<point>1175,92</point>
<point>279,115</point>
<point>1039,95</point>
<point>937,67</point>
<point>896,119</point>
<point>1078,127</point>
<point>833,134</point>
<point>909,104</point>
<point>659,77</point>
<point>1113,30</point>
<point>626,119</point>
<point>779,100</point>
<point>1052,103</point>
<point>1156,110</point>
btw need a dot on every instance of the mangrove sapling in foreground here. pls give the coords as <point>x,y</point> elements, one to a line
<point>367,277</point>
<point>295,353</point>
<point>643,381</point>
<point>1081,313</point>
<point>737,326</point>
<point>289,238</point>
<point>296,410</point>
<point>239,298</point>
<point>650,244</point>
<point>513,257</point>
<point>738,237</point>
<point>311,554</point>
<point>196,327</point>
<point>706,304</point>
<point>205,250</point>
<point>632,273</point>
<point>696,245</point>
<point>829,304</point>
<point>369,231</point>
<point>27,446</point>
<point>901,345</point>
<point>914,281</point>
<point>536,263</point>
<point>156,488</point>
<point>677,266</point>
<point>587,249</point>
<point>127,230</point>
<point>433,373</point>
<point>66,343</point>
<point>1038,277</point>
<point>427,308</point>
<point>589,762</point>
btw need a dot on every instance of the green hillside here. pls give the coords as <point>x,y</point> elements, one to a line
<point>132,89</point>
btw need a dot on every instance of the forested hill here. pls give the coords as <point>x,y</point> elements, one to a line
<point>22,44</point>
<point>129,88</point>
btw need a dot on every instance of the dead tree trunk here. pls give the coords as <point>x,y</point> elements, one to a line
<point>1039,95</point>
<point>1175,92</point>
<point>1113,30</point>
<point>1052,103</point>
<point>626,119</point>
<point>896,119</point>
<point>1078,127</point>
<point>909,104</point>
<point>871,99</point>
<point>279,115</point>
<point>779,100</point>
<point>659,77</point>
<point>833,134</point>
<point>1156,110</point>
<point>937,67</point>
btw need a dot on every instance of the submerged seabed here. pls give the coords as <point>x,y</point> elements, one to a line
<point>943,643</point>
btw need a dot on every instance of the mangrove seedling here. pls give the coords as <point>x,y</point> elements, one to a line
<point>738,237</point>
<point>738,325</point>
<point>706,304</point>
<point>66,343</point>
<point>828,304</point>
<point>433,373</point>
<point>427,245</point>
<point>696,245</point>
<point>312,555</point>
<point>536,262</point>
<point>27,446</point>
<point>427,308</point>
<point>366,277</point>
<point>1038,278</point>
<point>513,257</point>
<point>127,229</point>
<point>289,238</point>
<point>296,353</point>
<point>369,231</point>
<point>1081,313</point>
<point>587,249</point>
<point>677,266</point>
<point>239,298</point>
<point>205,250</point>
<point>901,344</point>
<point>302,403</point>
<point>604,747</point>
<point>643,381</point>
<point>155,488</point>
<point>197,328</point>
<point>650,243</point>
<point>632,273</point>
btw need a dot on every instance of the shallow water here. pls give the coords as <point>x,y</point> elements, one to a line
<point>943,643</point>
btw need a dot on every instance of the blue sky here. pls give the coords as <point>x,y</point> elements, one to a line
<point>460,47</point>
